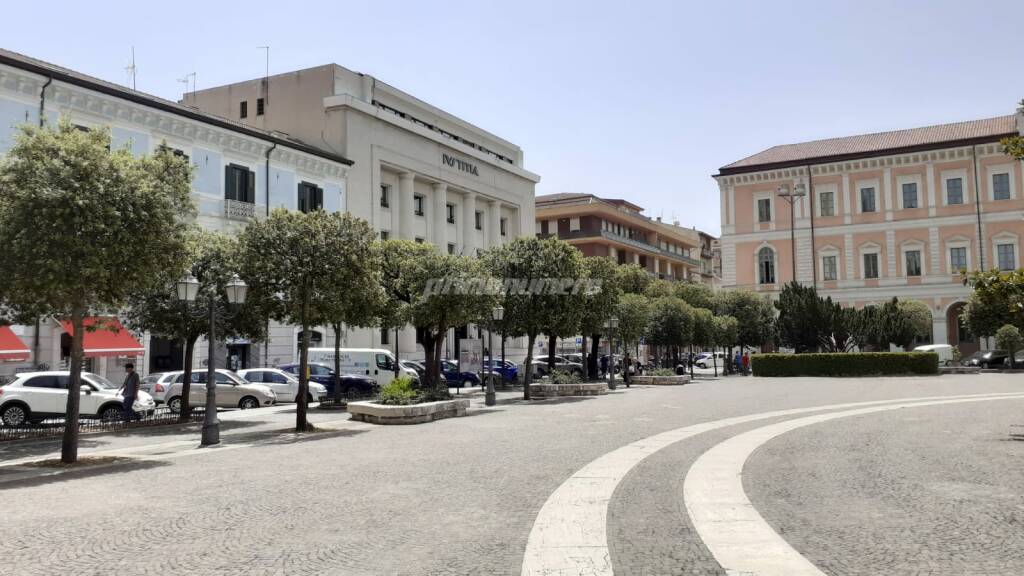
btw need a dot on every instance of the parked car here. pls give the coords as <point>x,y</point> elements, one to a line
<point>507,370</point>
<point>285,385</point>
<point>157,384</point>
<point>540,366</point>
<point>34,396</point>
<point>376,363</point>
<point>1018,359</point>
<point>456,377</point>
<point>577,358</point>
<point>418,367</point>
<point>232,391</point>
<point>710,360</point>
<point>988,358</point>
<point>945,352</point>
<point>351,384</point>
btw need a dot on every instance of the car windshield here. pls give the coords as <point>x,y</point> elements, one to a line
<point>100,382</point>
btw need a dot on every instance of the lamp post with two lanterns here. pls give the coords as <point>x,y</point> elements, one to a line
<point>187,291</point>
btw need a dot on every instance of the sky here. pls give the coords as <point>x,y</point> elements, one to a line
<point>642,100</point>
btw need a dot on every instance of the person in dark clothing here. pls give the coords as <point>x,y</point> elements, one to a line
<point>604,365</point>
<point>130,390</point>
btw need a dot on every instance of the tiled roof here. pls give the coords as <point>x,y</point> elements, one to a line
<point>871,144</point>
<point>77,78</point>
<point>562,196</point>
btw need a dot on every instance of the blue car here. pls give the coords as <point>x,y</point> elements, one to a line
<point>352,385</point>
<point>457,378</point>
<point>507,371</point>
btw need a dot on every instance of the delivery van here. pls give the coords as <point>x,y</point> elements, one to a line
<point>377,363</point>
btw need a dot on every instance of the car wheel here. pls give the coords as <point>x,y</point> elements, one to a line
<point>248,403</point>
<point>111,413</point>
<point>985,365</point>
<point>466,383</point>
<point>15,415</point>
<point>174,404</point>
<point>309,398</point>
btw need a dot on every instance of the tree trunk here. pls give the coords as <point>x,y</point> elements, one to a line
<point>586,367</point>
<point>438,349</point>
<point>552,342</point>
<point>301,425</point>
<point>714,359</point>
<point>527,368</point>
<point>69,443</point>
<point>595,348</point>
<point>625,365</point>
<point>504,381</point>
<point>690,361</point>
<point>337,363</point>
<point>186,380</point>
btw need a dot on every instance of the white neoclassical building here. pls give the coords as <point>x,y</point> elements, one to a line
<point>419,173</point>
<point>240,172</point>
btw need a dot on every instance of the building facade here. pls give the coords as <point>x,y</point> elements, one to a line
<point>420,173</point>
<point>232,163</point>
<point>617,229</point>
<point>876,216</point>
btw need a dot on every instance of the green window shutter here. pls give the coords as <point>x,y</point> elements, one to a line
<point>251,195</point>
<point>318,202</point>
<point>229,183</point>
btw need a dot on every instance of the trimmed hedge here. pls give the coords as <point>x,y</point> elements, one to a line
<point>845,364</point>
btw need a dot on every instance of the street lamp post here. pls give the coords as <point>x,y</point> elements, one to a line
<point>791,197</point>
<point>497,314</point>
<point>188,289</point>
<point>611,325</point>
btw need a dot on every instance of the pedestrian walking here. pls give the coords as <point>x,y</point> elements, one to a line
<point>604,365</point>
<point>738,361</point>
<point>130,390</point>
<point>746,364</point>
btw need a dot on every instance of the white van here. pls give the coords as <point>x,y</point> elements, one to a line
<point>377,363</point>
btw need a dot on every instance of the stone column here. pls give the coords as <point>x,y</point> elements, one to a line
<point>405,205</point>
<point>440,238</point>
<point>494,231</point>
<point>469,224</point>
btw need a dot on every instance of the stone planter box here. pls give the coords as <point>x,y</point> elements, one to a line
<point>540,390</point>
<point>411,414</point>
<point>660,380</point>
<point>960,370</point>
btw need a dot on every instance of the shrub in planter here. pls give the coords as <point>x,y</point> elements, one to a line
<point>845,364</point>
<point>399,392</point>
<point>664,372</point>
<point>559,377</point>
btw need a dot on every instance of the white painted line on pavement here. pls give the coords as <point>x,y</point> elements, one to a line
<point>741,541</point>
<point>569,536</point>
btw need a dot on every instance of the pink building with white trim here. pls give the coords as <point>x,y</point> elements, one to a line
<point>878,215</point>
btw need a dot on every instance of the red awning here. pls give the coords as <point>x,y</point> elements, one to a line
<point>11,347</point>
<point>108,339</point>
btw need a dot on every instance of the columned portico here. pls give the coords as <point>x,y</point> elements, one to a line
<point>440,227</point>
<point>469,224</point>
<point>494,229</point>
<point>405,207</point>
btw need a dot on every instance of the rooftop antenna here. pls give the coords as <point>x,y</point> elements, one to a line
<point>184,80</point>
<point>130,69</point>
<point>266,76</point>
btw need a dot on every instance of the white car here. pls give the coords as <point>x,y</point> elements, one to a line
<point>285,385</point>
<point>231,391</point>
<point>709,360</point>
<point>157,384</point>
<point>34,396</point>
<point>944,351</point>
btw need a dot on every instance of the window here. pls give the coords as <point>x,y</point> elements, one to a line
<point>419,240</point>
<point>764,210</point>
<point>417,205</point>
<point>867,199</point>
<point>957,259</point>
<point>828,268</point>
<point>827,203</point>
<point>383,234</point>
<point>451,248</point>
<point>504,226</point>
<point>385,191</point>
<point>385,336</point>
<point>239,184</point>
<point>384,361</point>
<point>259,106</point>
<point>479,217</point>
<point>1001,186</point>
<point>766,266</point>
<point>311,197</point>
<point>912,261</point>
<point>871,265</point>
<point>1006,257</point>
<point>44,382</point>
<point>243,109</point>
<point>955,191</point>
<point>450,211</point>
<point>910,195</point>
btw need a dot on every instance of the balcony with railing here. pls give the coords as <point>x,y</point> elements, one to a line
<point>236,210</point>
<point>631,242</point>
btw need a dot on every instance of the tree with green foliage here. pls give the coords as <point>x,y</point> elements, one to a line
<point>671,324</point>
<point>659,288</point>
<point>727,331</point>
<point>1009,338</point>
<point>84,227</point>
<point>755,314</point>
<point>393,314</point>
<point>803,317</point>
<point>632,279</point>
<point>599,306</point>
<point>916,323</point>
<point>696,294</point>
<point>310,269</point>
<point>997,298</point>
<point>634,314</point>
<point>1014,145</point>
<point>565,320</point>
<point>211,259</point>
<point>525,265</point>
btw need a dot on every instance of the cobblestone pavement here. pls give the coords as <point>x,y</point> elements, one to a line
<point>457,496</point>
<point>931,491</point>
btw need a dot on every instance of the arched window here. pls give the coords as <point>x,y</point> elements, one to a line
<point>766,266</point>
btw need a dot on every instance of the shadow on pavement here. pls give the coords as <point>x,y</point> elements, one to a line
<point>30,476</point>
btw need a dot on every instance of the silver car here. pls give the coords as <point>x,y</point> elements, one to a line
<point>232,391</point>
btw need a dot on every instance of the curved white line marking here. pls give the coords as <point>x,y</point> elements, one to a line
<point>737,536</point>
<point>569,535</point>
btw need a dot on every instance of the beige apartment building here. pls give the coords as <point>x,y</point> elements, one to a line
<point>877,215</point>
<point>418,172</point>
<point>617,229</point>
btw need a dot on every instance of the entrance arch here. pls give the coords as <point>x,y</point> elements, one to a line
<point>957,332</point>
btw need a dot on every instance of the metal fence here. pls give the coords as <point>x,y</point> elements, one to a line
<point>55,426</point>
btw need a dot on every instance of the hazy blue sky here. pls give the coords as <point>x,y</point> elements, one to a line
<point>639,100</point>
